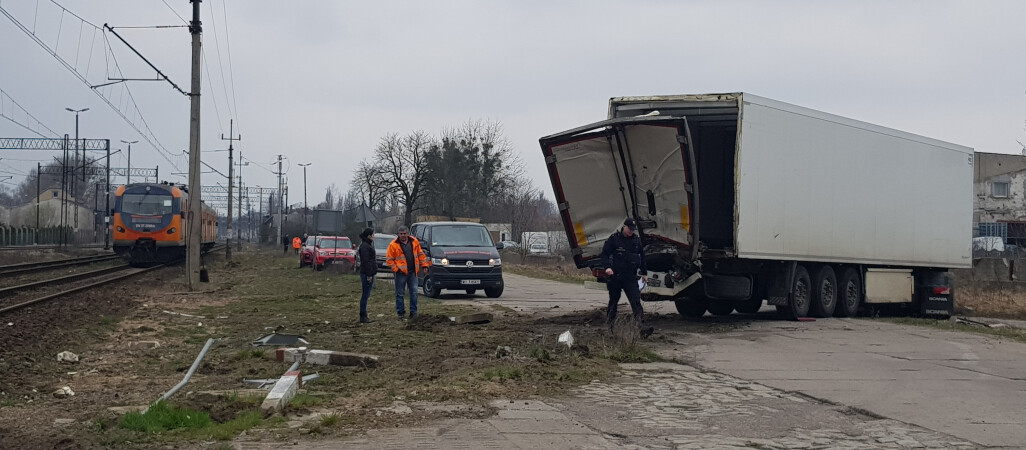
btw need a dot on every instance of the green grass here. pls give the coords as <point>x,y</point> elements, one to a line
<point>305,400</point>
<point>1015,334</point>
<point>632,355</point>
<point>330,420</point>
<point>165,417</point>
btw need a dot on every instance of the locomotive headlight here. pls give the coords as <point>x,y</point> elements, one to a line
<point>495,261</point>
<point>120,229</point>
<point>172,230</point>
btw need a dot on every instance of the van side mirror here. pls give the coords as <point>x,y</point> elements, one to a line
<point>500,246</point>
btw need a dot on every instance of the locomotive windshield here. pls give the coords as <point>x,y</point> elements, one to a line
<point>147,204</point>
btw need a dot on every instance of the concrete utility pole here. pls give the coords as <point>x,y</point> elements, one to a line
<point>281,205</point>
<point>238,232</point>
<point>128,173</point>
<point>192,260</point>
<point>306,209</point>
<point>231,167</point>
<point>78,145</point>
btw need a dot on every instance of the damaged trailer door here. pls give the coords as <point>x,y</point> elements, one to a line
<point>640,167</point>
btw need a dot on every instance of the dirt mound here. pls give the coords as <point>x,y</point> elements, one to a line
<point>428,322</point>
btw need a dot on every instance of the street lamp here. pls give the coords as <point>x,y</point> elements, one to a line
<point>305,208</point>
<point>128,173</point>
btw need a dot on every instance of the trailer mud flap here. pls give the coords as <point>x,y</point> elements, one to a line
<point>780,280</point>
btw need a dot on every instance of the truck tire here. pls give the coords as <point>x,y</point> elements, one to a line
<point>800,297</point>
<point>750,306</point>
<point>720,308</point>
<point>824,292</point>
<point>691,308</point>
<point>849,293</point>
<point>430,288</point>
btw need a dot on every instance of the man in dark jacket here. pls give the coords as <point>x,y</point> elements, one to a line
<point>368,268</point>
<point>624,257</point>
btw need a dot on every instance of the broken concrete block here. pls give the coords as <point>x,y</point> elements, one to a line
<point>67,356</point>
<point>473,318</point>
<point>144,345</point>
<point>64,392</point>
<point>282,392</point>
<point>326,357</point>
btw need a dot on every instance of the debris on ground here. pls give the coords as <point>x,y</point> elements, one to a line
<point>472,319</point>
<point>184,314</point>
<point>503,351</point>
<point>326,357</point>
<point>967,321</point>
<point>282,392</point>
<point>280,339</point>
<point>67,356</point>
<point>567,338</point>
<point>64,392</point>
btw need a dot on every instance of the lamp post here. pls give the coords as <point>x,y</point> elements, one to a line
<point>73,167</point>
<point>305,208</point>
<point>128,172</point>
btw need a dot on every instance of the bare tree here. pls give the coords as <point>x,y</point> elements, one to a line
<point>401,159</point>
<point>369,185</point>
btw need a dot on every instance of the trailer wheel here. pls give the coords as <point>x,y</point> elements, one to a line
<point>800,298</point>
<point>824,292</point>
<point>691,308</point>
<point>849,295</point>
<point>750,306</point>
<point>720,308</point>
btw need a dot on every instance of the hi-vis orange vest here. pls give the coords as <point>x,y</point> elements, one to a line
<point>296,242</point>
<point>396,260</point>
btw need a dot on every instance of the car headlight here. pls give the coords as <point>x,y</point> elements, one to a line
<point>322,253</point>
<point>440,261</point>
<point>495,261</point>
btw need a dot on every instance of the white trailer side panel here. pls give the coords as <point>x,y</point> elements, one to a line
<point>819,187</point>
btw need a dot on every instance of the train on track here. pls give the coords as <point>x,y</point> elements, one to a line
<point>150,220</point>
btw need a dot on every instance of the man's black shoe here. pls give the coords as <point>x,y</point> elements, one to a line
<point>646,332</point>
<point>413,316</point>
<point>402,317</point>
<point>365,320</point>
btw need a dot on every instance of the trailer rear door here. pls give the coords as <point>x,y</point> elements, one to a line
<point>638,167</point>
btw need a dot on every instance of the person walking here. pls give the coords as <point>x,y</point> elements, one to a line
<point>405,257</point>
<point>624,257</point>
<point>296,243</point>
<point>368,268</point>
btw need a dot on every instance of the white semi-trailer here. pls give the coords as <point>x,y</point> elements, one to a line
<point>742,199</point>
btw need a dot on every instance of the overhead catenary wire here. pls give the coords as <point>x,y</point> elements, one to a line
<point>6,99</point>
<point>124,105</point>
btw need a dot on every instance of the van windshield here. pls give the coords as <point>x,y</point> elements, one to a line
<point>460,236</point>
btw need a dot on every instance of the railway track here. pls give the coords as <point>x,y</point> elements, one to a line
<point>12,298</point>
<point>23,268</point>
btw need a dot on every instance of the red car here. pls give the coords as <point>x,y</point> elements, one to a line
<point>306,252</point>
<point>333,250</point>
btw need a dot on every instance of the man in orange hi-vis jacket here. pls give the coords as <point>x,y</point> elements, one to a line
<point>403,253</point>
<point>296,243</point>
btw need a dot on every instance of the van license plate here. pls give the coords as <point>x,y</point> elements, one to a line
<point>470,281</point>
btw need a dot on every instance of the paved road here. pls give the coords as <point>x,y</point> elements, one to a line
<point>967,385</point>
<point>835,383</point>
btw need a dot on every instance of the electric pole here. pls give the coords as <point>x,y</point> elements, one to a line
<point>238,233</point>
<point>306,209</point>
<point>78,145</point>
<point>281,207</point>
<point>128,173</point>
<point>231,167</point>
<point>195,227</point>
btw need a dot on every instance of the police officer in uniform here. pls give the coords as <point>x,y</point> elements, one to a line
<point>624,257</point>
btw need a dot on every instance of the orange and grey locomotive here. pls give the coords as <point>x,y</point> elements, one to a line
<point>150,222</point>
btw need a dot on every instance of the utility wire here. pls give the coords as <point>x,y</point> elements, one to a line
<point>231,71</point>
<point>6,98</point>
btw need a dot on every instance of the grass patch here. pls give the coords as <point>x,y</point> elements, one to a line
<point>305,400</point>
<point>165,417</point>
<point>330,420</point>
<point>254,353</point>
<point>1015,334</point>
<point>541,354</point>
<point>502,374</point>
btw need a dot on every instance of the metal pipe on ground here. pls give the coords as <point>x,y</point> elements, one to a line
<point>188,375</point>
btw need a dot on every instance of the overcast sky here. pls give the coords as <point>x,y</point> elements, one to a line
<point>322,81</point>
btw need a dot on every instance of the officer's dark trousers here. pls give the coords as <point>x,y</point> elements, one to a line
<point>629,287</point>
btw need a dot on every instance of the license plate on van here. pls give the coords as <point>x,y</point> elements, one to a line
<point>470,281</point>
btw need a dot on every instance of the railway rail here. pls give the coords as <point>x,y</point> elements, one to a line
<point>23,268</point>
<point>93,279</point>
